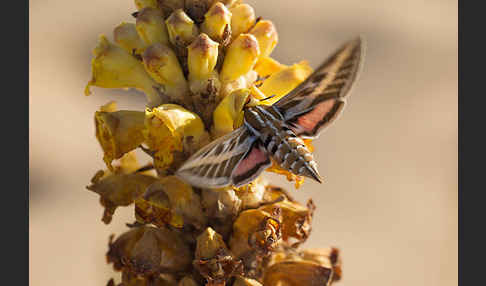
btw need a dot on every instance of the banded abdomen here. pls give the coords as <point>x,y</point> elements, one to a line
<point>281,143</point>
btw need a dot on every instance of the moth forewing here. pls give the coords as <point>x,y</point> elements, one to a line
<point>212,165</point>
<point>320,99</point>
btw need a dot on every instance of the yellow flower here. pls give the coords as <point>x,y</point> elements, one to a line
<point>229,113</point>
<point>150,26</point>
<point>202,57</point>
<point>113,67</point>
<point>243,17</point>
<point>161,63</point>
<point>181,28</point>
<point>172,129</point>
<point>217,23</point>
<point>240,58</point>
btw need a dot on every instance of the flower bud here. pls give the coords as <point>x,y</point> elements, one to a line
<point>217,23</point>
<point>294,273</point>
<point>113,67</point>
<point>181,28</point>
<point>228,115</point>
<point>282,82</point>
<point>213,259</point>
<point>150,26</point>
<point>169,6</point>
<point>255,231</point>
<point>127,37</point>
<point>243,17</point>
<point>197,8</point>
<point>171,129</point>
<point>243,281</point>
<point>145,3</point>
<point>148,251</point>
<point>118,190</point>
<point>266,35</point>
<point>162,64</point>
<point>240,58</point>
<point>119,132</point>
<point>202,57</point>
<point>267,66</point>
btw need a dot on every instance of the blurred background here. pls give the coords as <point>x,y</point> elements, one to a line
<point>389,199</point>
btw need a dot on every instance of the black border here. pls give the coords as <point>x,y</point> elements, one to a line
<point>15,133</point>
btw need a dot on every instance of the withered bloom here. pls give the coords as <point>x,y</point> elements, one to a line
<point>200,63</point>
<point>295,220</point>
<point>213,259</point>
<point>149,251</point>
<point>256,231</point>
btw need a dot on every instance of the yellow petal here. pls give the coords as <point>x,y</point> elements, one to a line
<point>127,37</point>
<point>229,113</point>
<point>217,23</point>
<point>240,57</point>
<point>162,64</point>
<point>109,107</point>
<point>282,82</point>
<point>113,67</point>
<point>266,34</point>
<point>202,55</point>
<point>267,66</point>
<point>243,17</point>
<point>181,28</point>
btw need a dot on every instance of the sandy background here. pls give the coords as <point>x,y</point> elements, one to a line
<point>389,200</point>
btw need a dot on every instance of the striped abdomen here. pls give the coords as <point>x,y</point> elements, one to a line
<point>288,150</point>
